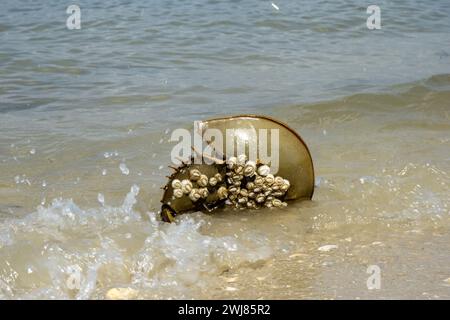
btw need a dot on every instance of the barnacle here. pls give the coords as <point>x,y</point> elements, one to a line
<point>194,174</point>
<point>263,170</point>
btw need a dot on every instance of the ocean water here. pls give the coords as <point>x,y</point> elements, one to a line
<point>85,118</point>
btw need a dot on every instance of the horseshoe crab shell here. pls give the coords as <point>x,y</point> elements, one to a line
<point>295,162</point>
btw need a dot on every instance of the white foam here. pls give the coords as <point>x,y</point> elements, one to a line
<point>124,169</point>
<point>115,246</point>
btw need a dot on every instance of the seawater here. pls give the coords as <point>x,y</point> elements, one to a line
<point>85,118</point>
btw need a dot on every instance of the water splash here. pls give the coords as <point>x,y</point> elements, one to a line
<point>124,169</point>
<point>101,199</point>
<point>114,246</point>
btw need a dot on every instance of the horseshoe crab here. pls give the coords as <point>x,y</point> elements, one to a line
<point>241,177</point>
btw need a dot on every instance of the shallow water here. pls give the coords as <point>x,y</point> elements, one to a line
<point>85,118</point>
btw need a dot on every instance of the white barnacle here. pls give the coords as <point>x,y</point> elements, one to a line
<point>250,186</point>
<point>277,203</point>
<point>186,186</point>
<point>234,190</point>
<point>176,184</point>
<point>218,177</point>
<point>269,179</point>
<point>285,186</point>
<point>251,204</point>
<point>238,177</point>
<point>203,181</point>
<point>250,169</point>
<point>212,181</point>
<point>178,193</point>
<point>222,192</point>
<point>259,181</point>
<point>260,198</point>
<point>277,193</point>
<point>263,170</point>
<point>239,169</point>
<point>244,192</point>
<point>241,159</point>
<point>279,181</point>
<point>231,162</point>
<point>194,195</point>
<point>194,174</point>
<point>251,195</point>
<point>204,193</point>
<point>242,200</point>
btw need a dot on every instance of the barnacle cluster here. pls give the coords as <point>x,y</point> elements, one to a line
<point>245,184</point>
<point>196,187</point>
